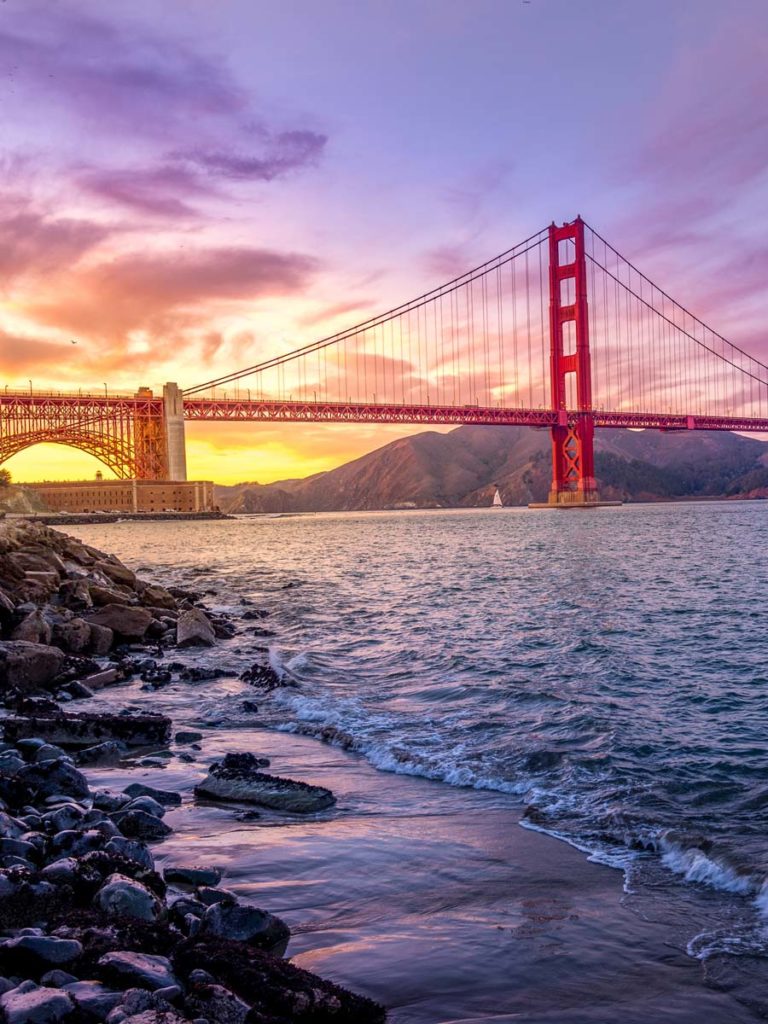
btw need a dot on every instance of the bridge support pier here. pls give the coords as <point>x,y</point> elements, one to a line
<point>173,415</point>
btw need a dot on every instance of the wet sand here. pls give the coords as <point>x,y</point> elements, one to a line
<point>433,900</point>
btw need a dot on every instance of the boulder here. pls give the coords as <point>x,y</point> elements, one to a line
<point>103,596</point>
<point>247,924</point>
<point>92,999</point>
<point>158,597</point>
<point>73,636</point>
<point>125,897</point>
<point>130,622</point>
<point>52,778</point>
<point>28,666</point>
<point>194,628</point>
<point>237,778</point>
<point>102,638</point>
<point>33,628</point>
<point>117,572</point>
<point>138,969</point>
<point>38,1006</point>
<point>27,951</point>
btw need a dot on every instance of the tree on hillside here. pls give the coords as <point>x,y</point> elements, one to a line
<point>5,477</point>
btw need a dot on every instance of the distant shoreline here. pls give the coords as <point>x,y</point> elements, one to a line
<point>87,518</point>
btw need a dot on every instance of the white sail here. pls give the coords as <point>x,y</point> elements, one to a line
<point>497,502</point>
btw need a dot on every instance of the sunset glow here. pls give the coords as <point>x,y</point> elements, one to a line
<point>184,194</point>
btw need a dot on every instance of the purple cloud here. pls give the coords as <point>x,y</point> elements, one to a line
<point>31,242</point>
<point>283,152</point>
<point>164,191</point>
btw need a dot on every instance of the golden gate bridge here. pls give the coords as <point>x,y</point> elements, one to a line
<point>561,332</point>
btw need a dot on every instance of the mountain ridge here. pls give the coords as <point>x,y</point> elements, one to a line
<point>462,468</point>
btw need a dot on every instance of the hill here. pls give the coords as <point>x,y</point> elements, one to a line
<point>462,468</point>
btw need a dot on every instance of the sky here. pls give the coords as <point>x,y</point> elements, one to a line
<point>192,186</point>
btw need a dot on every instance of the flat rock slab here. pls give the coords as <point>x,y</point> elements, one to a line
<point>85,729</point>
<point>229,780</point>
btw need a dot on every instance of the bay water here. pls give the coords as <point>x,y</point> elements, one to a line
<point>603,672</point>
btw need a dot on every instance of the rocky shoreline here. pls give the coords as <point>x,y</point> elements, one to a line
<point>89,930</point>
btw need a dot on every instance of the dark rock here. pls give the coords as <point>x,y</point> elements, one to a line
<point>276,990</point>
<point>86,729</point>
<point>139,969</point>
<point>148,804</point>
<point>57,979</point>
<point>141,825</point>
<point>52,777</point>
<point>163,796</point>
<point>209,896</point>
<point>107,801</point>
<point>265,677</point>
<point>217,1004</point>
<point>109,752</point>
<point>247,924</point>
<point>237,778</point>
<point>187,736</point>
<point>192,876</point>
<point>131,849</point>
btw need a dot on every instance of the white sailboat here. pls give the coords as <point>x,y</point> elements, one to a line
<point>497,502</point>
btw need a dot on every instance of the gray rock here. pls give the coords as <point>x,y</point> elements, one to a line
<point>192,876</point>
<point>194,629</point>
<point>237,778</point>
<point>92,998</point>
<point>140,969</point>
<point>127,898</point>
<point>38,1006</point>
<point>163,796</point>
<point>45,948</point>
<point>28,666</point>
<point>148,804</point>
<point>246,924</point>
